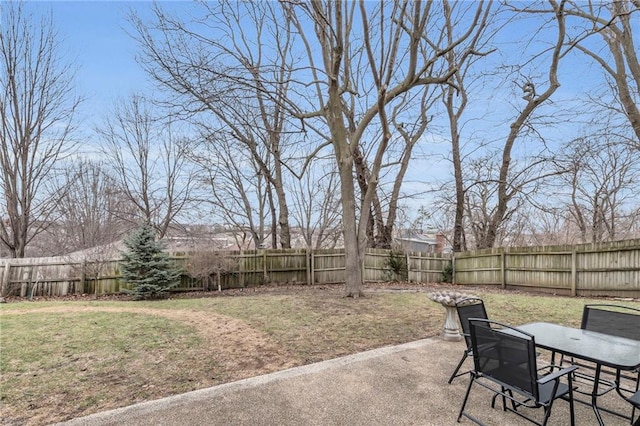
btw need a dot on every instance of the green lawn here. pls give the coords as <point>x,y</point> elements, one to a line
<point>60,360</point>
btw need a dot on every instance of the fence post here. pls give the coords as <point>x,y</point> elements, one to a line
<point>308,265</point>
<point>265,274</point>
<point>503,270</point>
<point>241,264</point>
<point>83,276</point>
<point>574,272</point>
<point>4,285</point>
<point>408,267</point>
<point>453,267</point>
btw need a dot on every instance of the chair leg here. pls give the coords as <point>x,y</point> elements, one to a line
<point>466,397</point>
<point>571,411</point>
<point>634,408</point>
<point>547,408</point>
<point>455,372</point>
<point>547,413</point>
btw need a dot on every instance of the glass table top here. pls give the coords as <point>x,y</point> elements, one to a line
<point>605,349</point>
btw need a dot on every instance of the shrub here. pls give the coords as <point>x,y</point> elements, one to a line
<point>396,266</point>
<point>206,263</point>
<point>146,268</point>
<point>447,272</point>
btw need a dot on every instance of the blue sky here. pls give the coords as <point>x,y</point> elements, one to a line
<point>93,34</point>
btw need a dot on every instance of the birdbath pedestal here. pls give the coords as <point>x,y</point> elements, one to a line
<point>449,299</point>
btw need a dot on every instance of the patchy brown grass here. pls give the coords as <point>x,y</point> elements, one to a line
<point>61,359</point>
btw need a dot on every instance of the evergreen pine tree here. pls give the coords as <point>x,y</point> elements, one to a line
<point>146,267</point>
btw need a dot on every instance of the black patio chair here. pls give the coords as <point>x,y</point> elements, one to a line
<point>616,320</point>
<point>505,363</point>
<point>471,307</point>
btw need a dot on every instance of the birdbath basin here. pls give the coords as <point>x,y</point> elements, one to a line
<point>449,299</point>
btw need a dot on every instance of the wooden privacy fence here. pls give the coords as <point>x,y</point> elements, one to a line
<point>60,276</point>
<point>605,269</point>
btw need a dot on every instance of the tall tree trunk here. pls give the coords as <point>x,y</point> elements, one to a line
<point>458,225</point>
<point>353,256</point>
<point>344,157</point>
<point>505,192</point>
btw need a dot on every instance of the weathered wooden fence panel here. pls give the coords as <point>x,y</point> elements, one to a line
<point>376,266</point>
<point>101,277</point>
<point>549,272</point>
<point>327,266</point>
<point>482,267</point>
<point>615,271</point>
<point>286,266</point>
<point>605,269</point>
<point>251,270</point>
<point>426,267</point>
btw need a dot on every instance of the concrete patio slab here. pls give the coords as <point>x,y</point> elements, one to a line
<point>395,385</point>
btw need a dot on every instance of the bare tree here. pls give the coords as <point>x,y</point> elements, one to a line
<point>494,219</point>
<point>234,188</point>
<point>409,122</point>
<point>379,52</point>
<point>229,69</point>
<point>342,68</point>
<point>149,161</point>
<point>37,107</point>
<point>552,226</point>
<point>602,179</point>
<point>480,200</point>
<point>510,180</point>
<point>315,207</point>
<point>90,210</point>
<point>455,98</point>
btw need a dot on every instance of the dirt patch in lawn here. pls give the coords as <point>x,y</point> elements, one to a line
<point>238,351</point>
<point>234,340</point>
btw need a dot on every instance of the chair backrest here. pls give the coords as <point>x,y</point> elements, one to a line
<point>505,355</point>
<point>471,307</point>
<point>616,320</point>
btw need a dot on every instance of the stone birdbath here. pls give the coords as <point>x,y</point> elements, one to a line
<point>449,299</point>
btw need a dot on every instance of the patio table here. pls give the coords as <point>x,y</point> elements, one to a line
<point>603,350</point>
